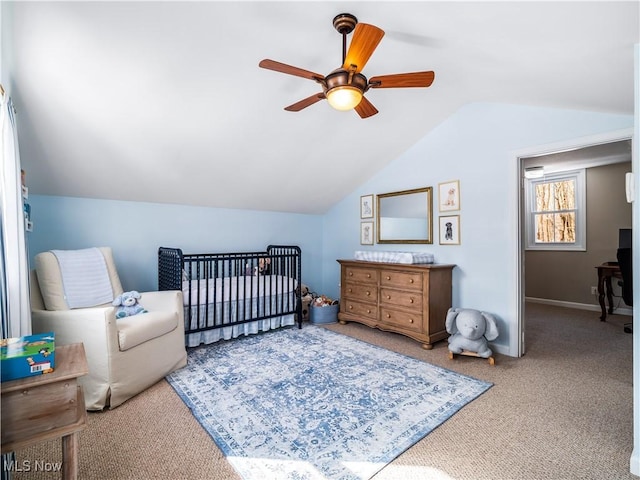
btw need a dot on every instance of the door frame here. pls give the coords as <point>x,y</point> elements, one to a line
<point>518,335</point>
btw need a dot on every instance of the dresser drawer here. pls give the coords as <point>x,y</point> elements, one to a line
<point>404,280</point>
<point>363,292</point>
<point>401,298</point>
<point>364,275</point>
<point>360,309</point>
<point>404,320</point>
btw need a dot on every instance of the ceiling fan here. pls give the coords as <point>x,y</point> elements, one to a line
<point>344,88</point>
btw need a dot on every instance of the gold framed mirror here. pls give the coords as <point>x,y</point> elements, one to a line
<point>405,216</point>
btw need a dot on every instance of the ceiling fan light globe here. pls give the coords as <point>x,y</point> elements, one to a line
<point>344,98</point>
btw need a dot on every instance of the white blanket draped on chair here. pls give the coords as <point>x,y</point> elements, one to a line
<point>84,277</point>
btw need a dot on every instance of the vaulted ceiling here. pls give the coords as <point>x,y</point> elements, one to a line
<point>164,101</point>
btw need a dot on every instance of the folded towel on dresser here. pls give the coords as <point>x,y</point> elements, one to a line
<point>394,257</point>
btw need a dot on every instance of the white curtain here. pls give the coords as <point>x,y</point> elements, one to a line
<point>14,267</point>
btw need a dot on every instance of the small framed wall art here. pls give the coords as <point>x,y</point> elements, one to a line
<point>450,230</point>
<point>366,233</point>
<point>449,196</point>
<point>366,206</point>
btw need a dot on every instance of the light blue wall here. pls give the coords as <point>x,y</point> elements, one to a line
<point>135,230</point>
<point>474,146</point>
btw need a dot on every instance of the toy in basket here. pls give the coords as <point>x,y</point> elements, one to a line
<point>323,310</point>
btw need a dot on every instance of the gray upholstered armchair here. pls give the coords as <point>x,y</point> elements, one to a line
<point>125,355</point>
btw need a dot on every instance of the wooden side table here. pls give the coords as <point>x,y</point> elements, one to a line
<point>41,408</point>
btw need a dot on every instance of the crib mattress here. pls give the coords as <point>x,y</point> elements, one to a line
<point>394,257</point>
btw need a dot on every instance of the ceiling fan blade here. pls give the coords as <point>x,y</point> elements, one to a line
<point>296,107</point>
<point>365,40</point>
<point>402,80</point>
<point>288,69</point>
<point>365,108</point>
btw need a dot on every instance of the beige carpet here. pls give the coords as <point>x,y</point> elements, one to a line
<point>563,411</point>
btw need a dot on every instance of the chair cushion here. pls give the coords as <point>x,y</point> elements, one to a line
<point>50,279</point>
<point>137,329</point>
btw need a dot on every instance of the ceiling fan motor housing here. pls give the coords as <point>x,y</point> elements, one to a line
<point>340,78</point>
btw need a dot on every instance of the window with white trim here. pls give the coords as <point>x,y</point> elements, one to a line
<point>556,212</point>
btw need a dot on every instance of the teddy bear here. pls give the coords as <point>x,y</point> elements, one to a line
<point>470,330</point>
<point>128,305</point>
<point>306,297</point>
<point>264,266</point>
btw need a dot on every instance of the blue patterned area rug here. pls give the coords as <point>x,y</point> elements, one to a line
<point>315,404</point>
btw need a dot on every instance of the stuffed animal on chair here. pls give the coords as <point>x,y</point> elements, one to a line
<point>128,305</point>
<point>470,330</point>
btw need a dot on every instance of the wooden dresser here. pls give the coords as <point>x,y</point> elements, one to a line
<point>408,299</point>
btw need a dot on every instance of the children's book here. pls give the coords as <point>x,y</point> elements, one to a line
<point>27,356</point>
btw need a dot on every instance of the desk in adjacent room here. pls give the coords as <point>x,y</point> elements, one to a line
<point>606,272</point>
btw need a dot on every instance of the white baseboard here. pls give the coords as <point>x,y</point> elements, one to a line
<point>502,349</point>
<point>580,306</point>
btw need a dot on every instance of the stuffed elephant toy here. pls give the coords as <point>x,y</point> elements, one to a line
<point>470,330</point>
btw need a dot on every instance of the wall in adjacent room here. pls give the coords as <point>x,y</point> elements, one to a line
<point>135,230</point>
<point>476,145</point>
<point>568,276</point>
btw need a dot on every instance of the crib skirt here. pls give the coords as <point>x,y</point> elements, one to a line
<point>214,317</point>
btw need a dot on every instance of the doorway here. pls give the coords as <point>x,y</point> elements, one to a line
<point>585,152</point>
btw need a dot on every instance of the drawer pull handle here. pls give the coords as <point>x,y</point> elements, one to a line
<point>411,300</point>
<point>388,315</point>
<point>388,277</point>
<point>368,311</point>
<point>368,294</point>
<point>351,274</point>
<point>411,320</point>
<point>411,280</point>
<point>388,297</point>
<point>350,307</point>
<point>350,291</point>
<point>368,275</point>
